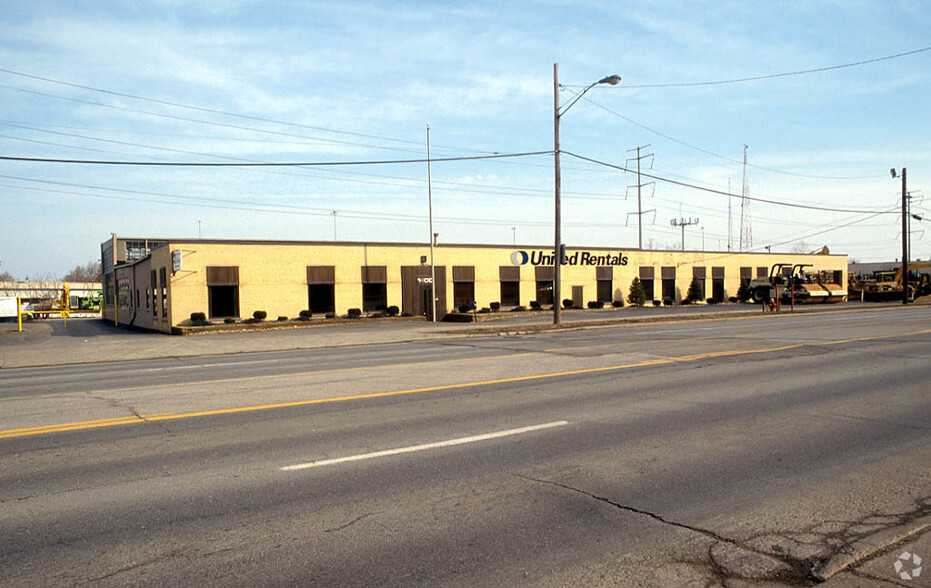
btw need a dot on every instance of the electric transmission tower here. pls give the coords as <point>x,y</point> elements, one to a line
<point>640,212</point>
<point>746,235</point>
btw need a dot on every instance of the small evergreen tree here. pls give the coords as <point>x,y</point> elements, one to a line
<point>637,296</point>
<point>743,293</point>
<point>694,294</point>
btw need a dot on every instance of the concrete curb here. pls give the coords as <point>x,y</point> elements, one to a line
<point>863,548</point>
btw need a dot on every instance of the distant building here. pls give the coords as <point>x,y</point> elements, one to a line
<point>158,283</point>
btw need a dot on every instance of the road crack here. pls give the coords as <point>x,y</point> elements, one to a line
<point>114,403</point>
<point>352,522</point>
<point>727,558</point>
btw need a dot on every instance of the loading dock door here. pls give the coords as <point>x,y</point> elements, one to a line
<point>415,291</point>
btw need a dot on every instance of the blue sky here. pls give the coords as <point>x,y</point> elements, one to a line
<point>267,81</point>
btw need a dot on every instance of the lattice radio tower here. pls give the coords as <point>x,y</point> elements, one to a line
<point>746,234</point>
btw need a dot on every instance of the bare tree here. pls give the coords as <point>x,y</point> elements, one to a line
<point>801,247</point>
<point>6,276</point>
<point>84,273</point>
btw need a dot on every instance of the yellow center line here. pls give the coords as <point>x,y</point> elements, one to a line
<point>85,425</point>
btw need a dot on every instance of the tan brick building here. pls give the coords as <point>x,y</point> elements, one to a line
<point>157,283</point>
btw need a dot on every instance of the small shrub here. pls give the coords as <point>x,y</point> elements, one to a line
<point>282,318</point>
<point>304,314</point>
<point>406,314</point>
<point>567,303</point>
<point>733,299</point>
<point>596,304</point>
<point>685,302</point>
<point>229,320</point>
<point>495,306</point>
<point>712,301</point>
<point>657,303</point>
<point>354,312</point>
<point>667,302</point>
<point>618,304</point>
<point>535,304</point>
<point>198,317</point>
<point>518,308</point>
<point>330,315</point>
<point>259,315</point>
<point>484,310</point>
<point>393,311</point>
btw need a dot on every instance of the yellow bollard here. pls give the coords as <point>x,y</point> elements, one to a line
<point>19,314</point>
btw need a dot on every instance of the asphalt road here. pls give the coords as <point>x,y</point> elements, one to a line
<point>677,454</point>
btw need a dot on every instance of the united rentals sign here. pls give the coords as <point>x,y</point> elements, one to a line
<point>575,258</point>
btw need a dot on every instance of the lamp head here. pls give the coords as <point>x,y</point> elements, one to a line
<point>892,172</point>
<point>611,80</point>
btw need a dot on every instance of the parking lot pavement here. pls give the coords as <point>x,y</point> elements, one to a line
<point>57,342</point>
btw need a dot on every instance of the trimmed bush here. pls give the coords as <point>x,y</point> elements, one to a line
<point>535,304</point>
<point>618,304</point>
<point>596,304</point>
<point>567,303</point>
<point>354,312</point>
<point>495,306</point>
<point>712,301</point>
<point>229,320</point>
<point>667,302</point>
<point>518,308</point>
<point>259,315</point>
<point>198,317</point>
<point>393,311</point>
<point>282,318</point>
<point>330,315</point>
<point>657,303</point>
<point>304,314</point>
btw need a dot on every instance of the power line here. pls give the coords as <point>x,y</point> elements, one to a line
<point>267,164</point>
<point>779,75</point>
<point>724,157</point>
<point>723,193</point>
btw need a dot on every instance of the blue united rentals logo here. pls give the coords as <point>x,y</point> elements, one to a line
<point>576,258</point>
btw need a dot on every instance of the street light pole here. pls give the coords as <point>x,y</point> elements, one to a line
<point>557,206</point>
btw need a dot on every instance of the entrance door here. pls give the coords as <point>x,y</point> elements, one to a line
<point>415,291</point>
<point>578,296</point>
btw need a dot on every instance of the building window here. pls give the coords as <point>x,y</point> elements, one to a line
<point>762,272</point>
<point>717,283</point>
<point>699,275</point>
<point>510,285</point>
<point>108,289</point>
<point>463,285</point>
<point>647,275</point>
<point>746,274</point>
<point>544,277</point>
<point>163,279</point>
<point>153,282</point>
<point>222,291</point>
<point>374,287</point>
<point>321,289</point>
<point>605,276</point>
<point>669,283</point>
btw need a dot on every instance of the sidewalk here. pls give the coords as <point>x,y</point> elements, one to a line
<point>51,342</point>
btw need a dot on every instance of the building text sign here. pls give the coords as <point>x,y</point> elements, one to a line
<point>574,258</point>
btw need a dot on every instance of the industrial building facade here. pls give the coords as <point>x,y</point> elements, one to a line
<point>158,283</point>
